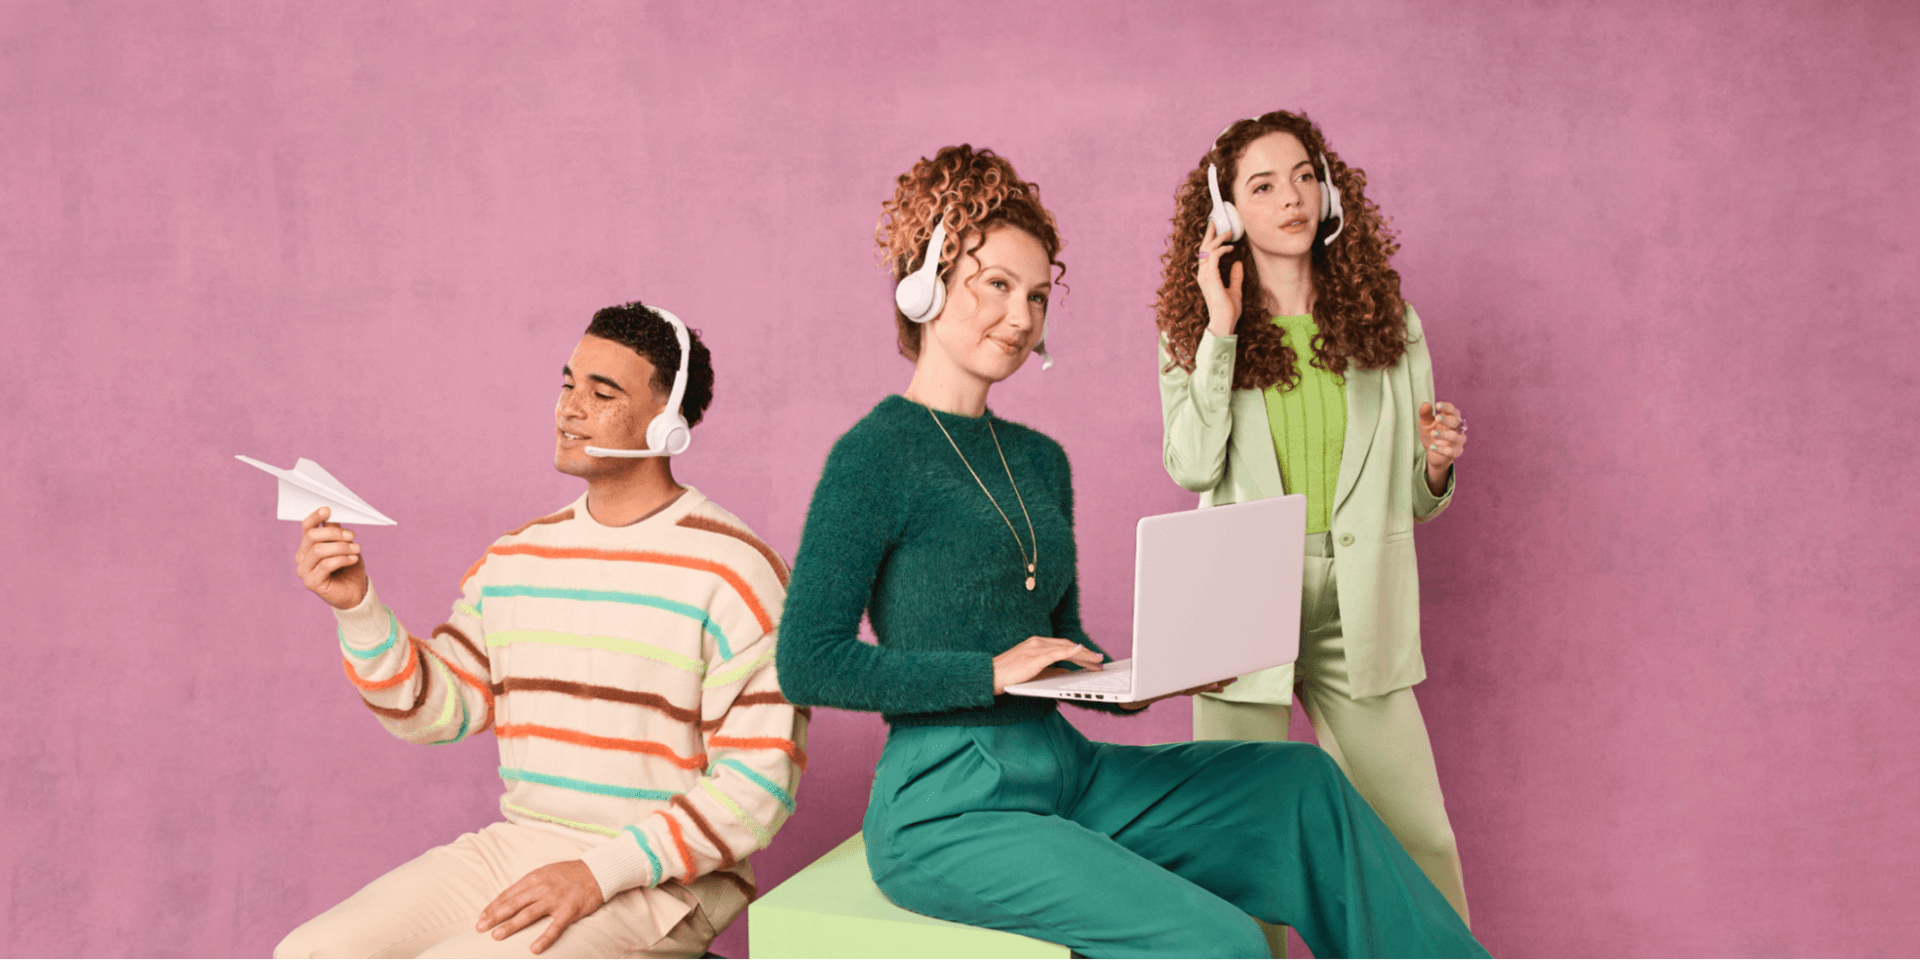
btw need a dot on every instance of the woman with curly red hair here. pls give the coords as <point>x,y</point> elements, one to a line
<point>991,809</point>
<point>1290,364</point>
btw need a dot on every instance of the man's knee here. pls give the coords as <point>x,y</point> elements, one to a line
<point>306,940</point>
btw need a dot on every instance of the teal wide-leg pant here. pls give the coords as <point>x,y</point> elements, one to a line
<point>1119,851</point>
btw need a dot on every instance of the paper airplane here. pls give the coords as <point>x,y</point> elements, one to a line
<point>307,488</point>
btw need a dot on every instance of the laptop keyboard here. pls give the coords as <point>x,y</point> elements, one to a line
<point>1118,680</point>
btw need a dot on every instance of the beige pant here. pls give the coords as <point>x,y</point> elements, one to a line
<point>428,906</point>
<point>1380,742</point>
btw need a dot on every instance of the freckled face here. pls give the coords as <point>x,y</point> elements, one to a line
<point>606,400</point>
<point>996,306</point>
<point>1276,189</point>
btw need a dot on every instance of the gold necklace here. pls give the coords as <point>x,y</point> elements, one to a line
<point>1033,561</point>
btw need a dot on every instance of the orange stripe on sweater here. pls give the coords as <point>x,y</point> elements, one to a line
<point>680,847</point>
<point>661,750</point>
<point>406,672</point>
<point>721,570</point>
<point>471,571</point>
<point>787,747</point>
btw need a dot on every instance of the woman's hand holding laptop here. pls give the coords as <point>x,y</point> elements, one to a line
<point>1214,687</point>
<point>1030,657</point>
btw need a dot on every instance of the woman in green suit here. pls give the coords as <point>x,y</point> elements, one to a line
<point>1290,364</point>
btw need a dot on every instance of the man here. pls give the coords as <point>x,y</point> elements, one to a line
<point>621,650</point>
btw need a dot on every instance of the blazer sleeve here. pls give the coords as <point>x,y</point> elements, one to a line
<point>1426,506</point>
<point>1196,407</point>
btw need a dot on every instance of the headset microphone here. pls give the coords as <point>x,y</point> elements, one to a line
<point>668,435</point>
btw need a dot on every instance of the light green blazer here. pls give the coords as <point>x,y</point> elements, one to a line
<point>1218,444</point>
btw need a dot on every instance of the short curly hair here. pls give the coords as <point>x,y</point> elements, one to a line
<point>643,329</point>
<point>975,190</point>
<point>1357,306</point>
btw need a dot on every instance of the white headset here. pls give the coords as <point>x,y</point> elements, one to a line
<point>1226,220</point>
<point>668,435</point>
<point>921,296</point>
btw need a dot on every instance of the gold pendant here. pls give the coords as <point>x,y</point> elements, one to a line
<point>1029,583</point>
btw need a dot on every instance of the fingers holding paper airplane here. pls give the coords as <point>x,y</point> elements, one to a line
<point>329,562</point>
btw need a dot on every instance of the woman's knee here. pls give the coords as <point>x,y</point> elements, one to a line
<point>1291,762</point>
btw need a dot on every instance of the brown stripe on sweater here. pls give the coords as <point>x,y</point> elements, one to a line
<point>758,699</point>
<point>752,892</point>
<point>454,632</point>
<point>591,692</point>
<point>560,517</point>
<point>394,713</point>
<point>714,526</point>
<point>726,852</point>
<point>771,698</point>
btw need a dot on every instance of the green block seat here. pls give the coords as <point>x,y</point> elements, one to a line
<point>833,909</point>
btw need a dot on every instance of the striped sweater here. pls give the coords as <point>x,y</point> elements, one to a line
<point>627,673</point>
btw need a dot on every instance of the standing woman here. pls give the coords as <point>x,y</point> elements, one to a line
<point>952,530</point>
<point>1289,364</point>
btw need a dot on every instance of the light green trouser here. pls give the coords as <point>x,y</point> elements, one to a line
<point>1122,851</point>
<point>1380,742</point>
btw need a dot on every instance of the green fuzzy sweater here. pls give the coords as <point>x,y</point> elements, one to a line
<point>900,530</point>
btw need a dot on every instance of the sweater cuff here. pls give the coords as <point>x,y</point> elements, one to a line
<point>367,629</point>
<point>621,864</point>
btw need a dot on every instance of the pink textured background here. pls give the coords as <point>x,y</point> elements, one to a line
<point>1665,254</point>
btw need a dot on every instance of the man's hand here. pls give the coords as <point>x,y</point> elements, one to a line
<point>564,891</point>
<point>328,561</point>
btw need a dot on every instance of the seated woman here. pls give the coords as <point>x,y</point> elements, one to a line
<point>991,809</point>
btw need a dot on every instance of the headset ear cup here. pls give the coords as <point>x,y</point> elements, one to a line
<point>920,295</point>
<point>1330,206</point>
<point>1225,219</point>
<point>669,434</point>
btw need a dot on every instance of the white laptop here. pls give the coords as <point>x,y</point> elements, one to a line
<point>1216,594</point>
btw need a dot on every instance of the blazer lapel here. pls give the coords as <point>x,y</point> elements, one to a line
<point>1363,417</point>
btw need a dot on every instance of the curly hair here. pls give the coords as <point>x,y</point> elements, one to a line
<point>1356,305</point>
<point>648,334</point>
<point>975,191</point>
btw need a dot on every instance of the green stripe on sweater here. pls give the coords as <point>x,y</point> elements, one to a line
<point>615,596</point>
<point>502,638</point>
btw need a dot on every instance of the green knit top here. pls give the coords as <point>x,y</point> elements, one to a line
<point>1309,424</point>
<point>899,530</point>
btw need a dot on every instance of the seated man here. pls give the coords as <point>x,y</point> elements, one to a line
<point>622,652</point>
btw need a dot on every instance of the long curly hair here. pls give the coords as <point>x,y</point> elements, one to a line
<point>975,190</point>
<point>1356,292</point>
